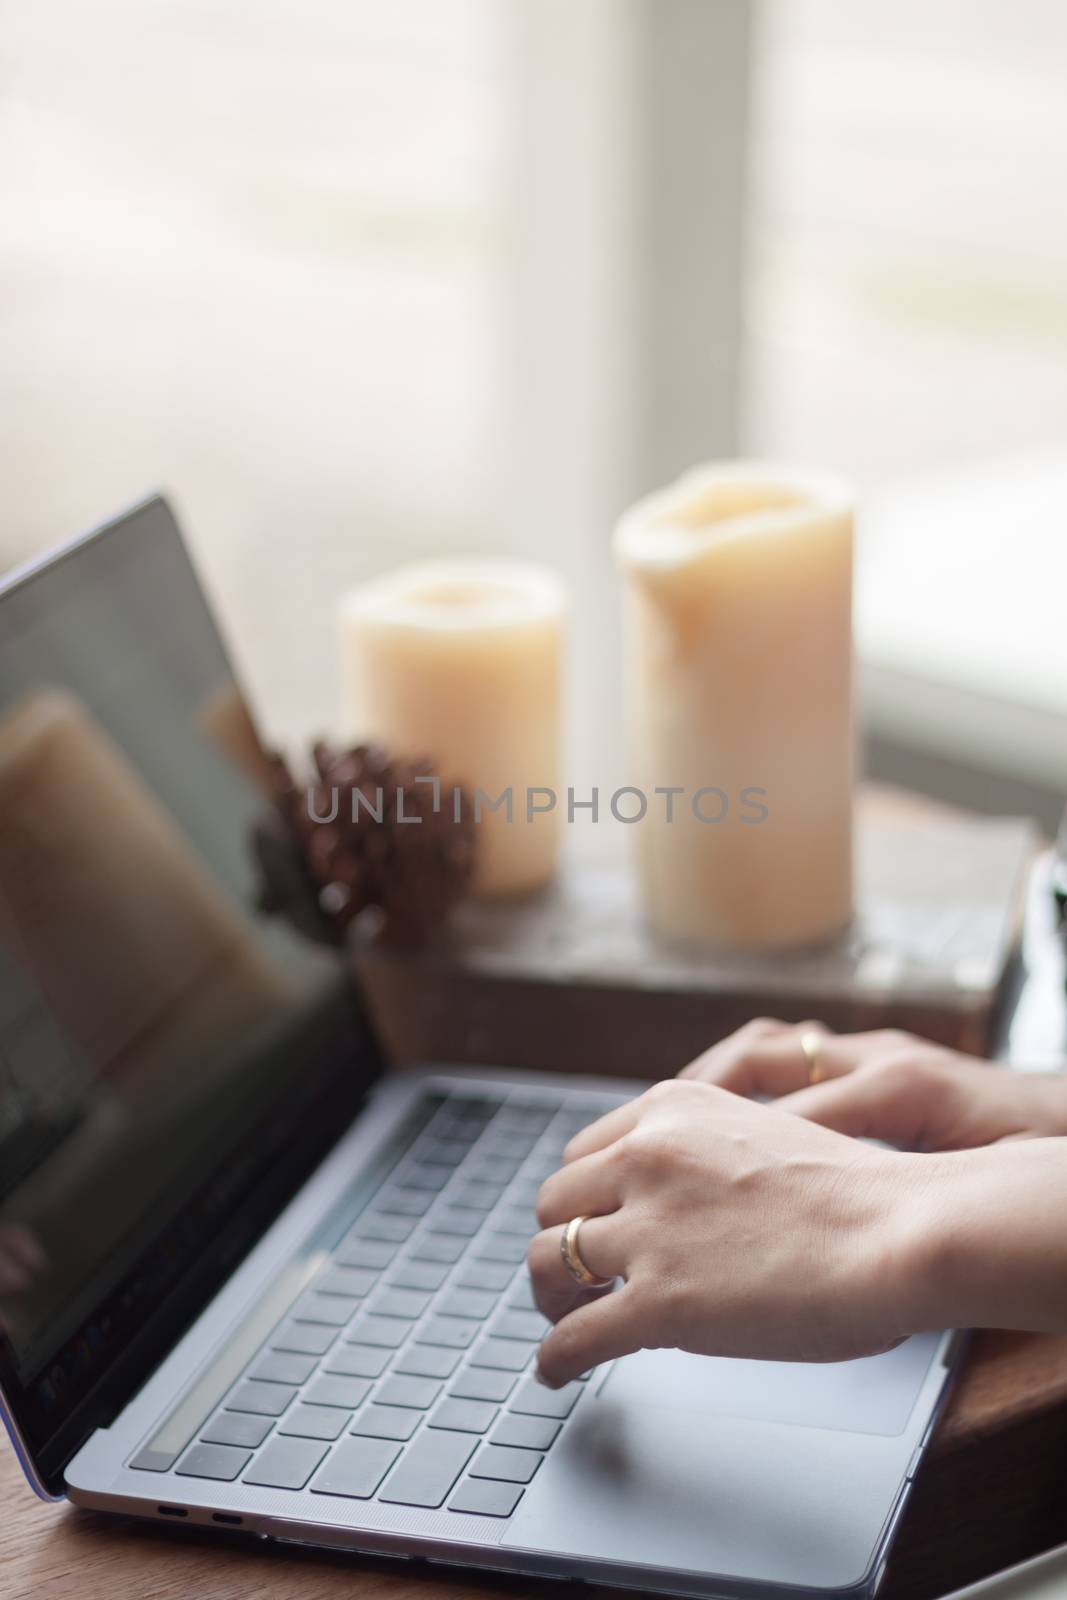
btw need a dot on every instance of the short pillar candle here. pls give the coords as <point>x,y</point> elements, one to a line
<point>739,645</point>
<point>461,662</point>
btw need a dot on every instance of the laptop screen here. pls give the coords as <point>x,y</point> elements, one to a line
<point>173,1060</point>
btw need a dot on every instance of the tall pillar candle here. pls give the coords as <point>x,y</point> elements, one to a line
<point>461,662</point>
<point>739,617</point>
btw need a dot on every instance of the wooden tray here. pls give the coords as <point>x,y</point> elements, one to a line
<point>572,980</point>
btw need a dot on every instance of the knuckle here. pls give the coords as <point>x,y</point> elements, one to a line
<point>896,1040</point>
<point>670,1093</point>
<point>757,1026</point>
<point>621,1154</point>
<point>645,1148</point>
<point>901,1071</point>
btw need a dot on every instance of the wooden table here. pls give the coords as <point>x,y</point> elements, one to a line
<point>992,1491</point>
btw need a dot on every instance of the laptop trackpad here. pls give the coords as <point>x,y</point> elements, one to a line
<point>873,1395</point>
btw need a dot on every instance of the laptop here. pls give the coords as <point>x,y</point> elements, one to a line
<point>252,1280</point>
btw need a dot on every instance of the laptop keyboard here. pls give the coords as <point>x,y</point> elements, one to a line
<point>402,1373</point>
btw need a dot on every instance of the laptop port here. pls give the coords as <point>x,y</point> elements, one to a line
<point>172,1511</point>
<point>221,1516</point>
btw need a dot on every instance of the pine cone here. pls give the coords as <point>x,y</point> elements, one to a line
<point>371,852</point>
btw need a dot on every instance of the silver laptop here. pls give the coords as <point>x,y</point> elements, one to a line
<point>251,1281</point>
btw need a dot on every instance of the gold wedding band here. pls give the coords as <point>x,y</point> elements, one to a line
<point>809,1042</point>
<point>568,1249</point>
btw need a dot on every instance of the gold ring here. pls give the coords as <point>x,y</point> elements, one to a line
<point>809,1042</point>
<point>568,1249</point>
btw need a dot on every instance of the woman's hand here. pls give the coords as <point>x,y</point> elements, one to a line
<point>736,1229</point>
<point>886,1085</point>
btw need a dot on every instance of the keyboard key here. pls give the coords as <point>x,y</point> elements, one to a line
<point>237,1428</point>
<point>405,1303</point>
<point>525,1433</point>
<point>527,1118</point>
<point>265,1399</point>
<point>455,1333</point>
<point>500,1247</point>
<point>519,1220</point>
<point>333,1310</point>
<point>528,1325</point>
<point>450,1219</point>
<point>477,1196</point>
<point>491,1168</point>
<point>386,1422</point>
<point>303,1338</point>
<point>394,1230</point>
<point>512,1466</point>
<point>533,1399</point>
<point>217,1461</point>
<point>385,1331</point>
<point>418,1393</point>
<point>512,1145</point>
<point>347,1393</point>
<point>424,1175</point>
<point>315,1422</point>
<point>521,1294</point>
<point>286,1463</point>
<point>356,1468</point>
<point>417,1275</point>
<point>449,1152</point>
<point>509,1355</point>
<point>428,1361</point>
<point>346,1280</point>
<point>481,1497</point>
<point>438,1247</point>
<point>463,1119</point>
<point>524,1192</point>
<point>484,1275</point>
<point>477,1303</point>
<point>465,1416</point>
<point>355,1251</point>
<point>283,1369</point>
<point>478,1383</point>
<point>403,1202</point>
<point>428,1469</point>
<point>357,1361</point>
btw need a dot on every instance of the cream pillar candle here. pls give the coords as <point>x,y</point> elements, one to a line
<point>739,586</point>
<point>460,662</point>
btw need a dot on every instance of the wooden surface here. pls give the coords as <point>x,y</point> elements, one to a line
<point>992,1491</point>
<point>573,978</point>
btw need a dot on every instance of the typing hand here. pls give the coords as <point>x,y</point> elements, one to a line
<point>735,1229</point>
<point>885,1085</point>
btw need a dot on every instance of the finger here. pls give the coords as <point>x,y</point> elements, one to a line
<point>555,1291</point>
<point>604,1131</point>
<point>595,1332</point>
<point>586,1187</point>
<point>781,1066</point>
<point>866,1105</point>
<point>716,1064</point>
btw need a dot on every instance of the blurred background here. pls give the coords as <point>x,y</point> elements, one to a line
<point>358,283</point>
